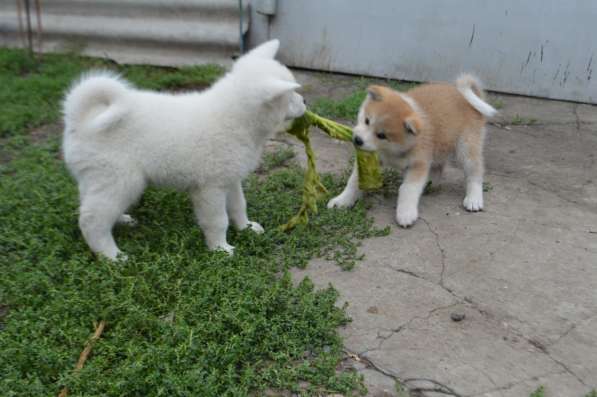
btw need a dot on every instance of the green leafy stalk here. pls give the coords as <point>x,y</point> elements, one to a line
<point>369,171</point>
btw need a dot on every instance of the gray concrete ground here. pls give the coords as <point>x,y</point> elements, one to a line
<point>523,272</point>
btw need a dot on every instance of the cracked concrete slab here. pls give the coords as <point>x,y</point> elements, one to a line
<point>523,272</point>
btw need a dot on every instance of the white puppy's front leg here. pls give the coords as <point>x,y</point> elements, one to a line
<point>410,192</point>
<point>237,210</point>
<point>351,192</point>
<point>210,209</point>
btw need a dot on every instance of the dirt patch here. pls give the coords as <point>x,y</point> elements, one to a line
<point>36,136</point>
<point>43,133</point>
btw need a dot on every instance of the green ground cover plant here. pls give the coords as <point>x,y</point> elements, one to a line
<point>180,320</point>
<point>347,108</point>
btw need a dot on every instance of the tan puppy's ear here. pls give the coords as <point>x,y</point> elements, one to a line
<point>413,124</point>
<point>374,92</point>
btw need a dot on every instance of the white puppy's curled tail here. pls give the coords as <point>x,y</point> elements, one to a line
<point>89,102</point>
<point>471,88</point>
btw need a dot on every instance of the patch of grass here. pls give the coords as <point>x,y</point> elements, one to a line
<point>592,393</point>
<point>520,120</point>
<point>401,391</point>
<point>277,158</point>
<point>540,392</point>
<point>181,320</point>
<point>347,108</point>
<point>31,91</point>
<point>401,85</point>
<point>497,103</point>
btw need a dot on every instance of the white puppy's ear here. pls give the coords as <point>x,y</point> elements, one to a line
<point>274,88</point>
<point>266,50</point>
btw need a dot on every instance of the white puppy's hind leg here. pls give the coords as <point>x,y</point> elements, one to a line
<point>210,209</point>
<point>96,219</point>
<point>351,192</point>
<point>407,210</point>
<point>236,206</point>
<point>102,206</point>
<point>126,219</point>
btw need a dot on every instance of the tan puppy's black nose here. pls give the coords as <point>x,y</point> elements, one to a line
<point>357,140</point>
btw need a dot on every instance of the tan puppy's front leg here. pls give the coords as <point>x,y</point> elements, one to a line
<point>410,191</point>
<point>351,192</point>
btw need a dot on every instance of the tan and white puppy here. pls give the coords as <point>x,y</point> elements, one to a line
<point>418,131</point>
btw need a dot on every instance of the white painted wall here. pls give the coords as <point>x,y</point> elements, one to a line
<point>545,48</point>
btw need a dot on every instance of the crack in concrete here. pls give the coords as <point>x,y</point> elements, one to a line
<point>544,350</point>
<point>545,189</point>
<point>473,305</point>
<point>566,368</point>
<point>410,273</point>
<point>508,126</point>
<point>394,331</point>
<point>437,387</point>
<point>487,376</point>
<point>570,329</point>
<point>510,385</point>
<point>442,253</point>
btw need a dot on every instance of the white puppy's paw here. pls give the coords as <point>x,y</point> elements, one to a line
<point>473,202</point>
<point>341,201</point>
<point>406,217</point>
<point>122,257</point>
<point>126,219</point>
<point>225,247</point>
<point>256,227</point>
<point>115,257</point>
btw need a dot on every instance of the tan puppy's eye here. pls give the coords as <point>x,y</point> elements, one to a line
<point>381,135</point>
<point>366,120</point>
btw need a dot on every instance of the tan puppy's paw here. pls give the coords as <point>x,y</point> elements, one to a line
<point>473,203</point>
<point>406,217</point>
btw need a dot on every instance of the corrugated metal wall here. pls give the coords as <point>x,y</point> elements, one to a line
<point>545,48</point>
<point>162,32</point>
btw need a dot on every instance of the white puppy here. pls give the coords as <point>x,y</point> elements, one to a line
<point>119,139</point>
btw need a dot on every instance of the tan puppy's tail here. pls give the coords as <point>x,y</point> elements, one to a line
<point>471,88</point>
<point>89,102</point>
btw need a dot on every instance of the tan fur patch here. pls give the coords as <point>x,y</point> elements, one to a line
<point>446,118</point>
<point>388,113</point>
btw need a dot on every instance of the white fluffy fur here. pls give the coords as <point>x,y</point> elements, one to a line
<point>119,139</point>
<point>465,84</point>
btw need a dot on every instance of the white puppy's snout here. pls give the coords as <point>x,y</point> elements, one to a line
<point>297,106</point>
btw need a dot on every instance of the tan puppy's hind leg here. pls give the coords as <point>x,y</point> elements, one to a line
<point>470,154</point>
